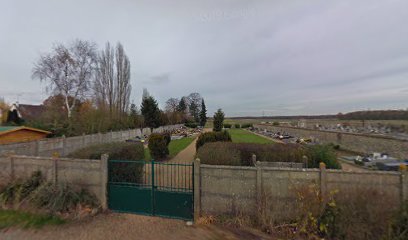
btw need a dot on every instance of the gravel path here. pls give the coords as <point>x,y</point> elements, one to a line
<point>129,226</point>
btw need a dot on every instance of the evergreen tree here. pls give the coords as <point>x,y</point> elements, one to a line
<point>203,114</point>
<point>218,120</point>
<point>182,106</point>
<point>151,112</point>
<point>194,111</point>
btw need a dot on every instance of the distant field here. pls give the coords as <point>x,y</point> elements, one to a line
<point>243,136</point>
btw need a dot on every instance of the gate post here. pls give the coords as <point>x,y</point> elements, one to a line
<point>197,189</point>
<point>104,181</point>
<point>152,194</point>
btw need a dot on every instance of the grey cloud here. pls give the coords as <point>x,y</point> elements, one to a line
<point>279,57</point>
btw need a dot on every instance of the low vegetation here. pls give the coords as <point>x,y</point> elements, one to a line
<point>122,172</point>
<point>243,136</point>
<point>240,154</point>
<point>115,150</point>
<point>158,146</point>
<point>36,202</point>
<point>220,136</point>
<point>15,218</point>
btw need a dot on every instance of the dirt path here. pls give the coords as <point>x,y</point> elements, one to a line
<point>129,226</point>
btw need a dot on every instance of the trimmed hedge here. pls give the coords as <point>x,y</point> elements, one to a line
<point>118,172</point>
<point>237,125</point>
<point>191,124</point>
<point>227,125</point>
<point>116,151</point>
<point>240,154</point>
<point>158,146</point>
<point>247,125</point>
<point>207,137</point>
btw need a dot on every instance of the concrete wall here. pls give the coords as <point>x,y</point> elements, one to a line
<point>83,173</point>
<point>63,146</point>
<point>355,142</point>
<point>230,190</point>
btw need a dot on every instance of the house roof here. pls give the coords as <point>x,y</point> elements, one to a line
<point>9,129</point>
<point>31,112</point>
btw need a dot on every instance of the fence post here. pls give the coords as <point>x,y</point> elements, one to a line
<point>197,190</point>
<point>104,181</point>
<point>11,166</point>
<point>404,183</point>
<point>259,190</point>
<point>55,169</point>
<point>37,148</point>
<point>64,145</point>
<point>323,182</point>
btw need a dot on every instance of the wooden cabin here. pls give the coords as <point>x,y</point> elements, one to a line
<point>10,134</point>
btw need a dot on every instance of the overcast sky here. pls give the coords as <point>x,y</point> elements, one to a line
<point>247,57</point>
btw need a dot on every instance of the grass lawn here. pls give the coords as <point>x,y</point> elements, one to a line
<point>13,218</point>
<point>243,136</point>
<point>175,147</point>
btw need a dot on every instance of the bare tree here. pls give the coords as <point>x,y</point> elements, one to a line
<point>123,79</point>
<point>112,86</point>
<point>172,105</point>
<point>104,85</point>
<point>68,70</point>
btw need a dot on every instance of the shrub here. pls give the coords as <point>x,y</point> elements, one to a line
<point>219,154</point>
<point>399,225</point>
<point>207,137</point>
<point>17,191</point>
<point>191,124</point>
<point>247,125</point>
<point>61,197</point>
<point>322,153</point>
<point>227,125</point>
<point>237,125</point>
<point>275,123</point>
<point>158,146</point>
<point>167,137</point>
<point>116,151</point>
<point>118,172</point>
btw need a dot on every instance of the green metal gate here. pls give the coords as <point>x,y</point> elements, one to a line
<point>151,188</point>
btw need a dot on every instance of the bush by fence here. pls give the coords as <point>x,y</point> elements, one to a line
<point>116,151</point>
<point>158,146</point>
<point>237,125</point>
<point>227,125</point>
<point>208,137</point>
<point>246,125</point>
<point>217,153</point>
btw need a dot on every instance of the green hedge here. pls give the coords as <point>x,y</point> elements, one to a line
<point>191,124</point>
<point>158,146</point>
<point>237,125</point>
<point>234,154</point>
<point>207,137</point>
<point>246,125</point>
<point>116,151</point>
<point>227,125</point>
<point>118,172</point>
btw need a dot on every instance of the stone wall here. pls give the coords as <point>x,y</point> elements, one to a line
<point>83,173</point>
<point>360,143</point>
<point>64,146</point>
<point>230,190</point>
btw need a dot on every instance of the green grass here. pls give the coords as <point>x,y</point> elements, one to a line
<point>243,136</point>
<point>13,218</point>
<point>175,147</point>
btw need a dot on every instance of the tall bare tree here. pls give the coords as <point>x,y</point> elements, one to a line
<point>112,87</point>
<point>104,85</point>
<point>123,79</point>
<point>68,70</point>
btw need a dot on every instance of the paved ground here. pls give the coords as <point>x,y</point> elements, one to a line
<point>129,226</point>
